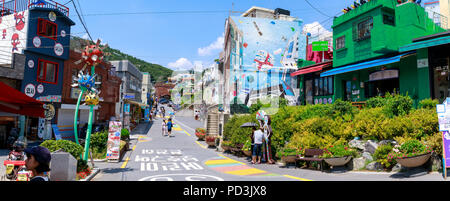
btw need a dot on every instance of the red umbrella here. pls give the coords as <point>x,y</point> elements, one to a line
<point>14,101</point>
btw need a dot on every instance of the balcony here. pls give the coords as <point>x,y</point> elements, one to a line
<point>14,6</point>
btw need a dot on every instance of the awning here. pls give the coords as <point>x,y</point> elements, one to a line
<point>16,102</point>
<point>136,103</point>
<point>364,65</point>
<point>311,69</point>
<point>427,43</point>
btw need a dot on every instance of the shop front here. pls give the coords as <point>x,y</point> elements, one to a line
<point>313,88</point>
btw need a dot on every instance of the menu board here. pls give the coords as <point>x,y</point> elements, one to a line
<point>113,145</point>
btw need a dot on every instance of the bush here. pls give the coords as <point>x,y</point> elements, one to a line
<point>98,143</point>
<point>376,102</point>
<point>68,146</point>
<point>247,146</point>
<point>338,150</point>
<point>434,141</point>
<point>409,149</point>
<point>124,134</point>
<point>428,103</point>
<point>397,105</point>
<point>381,155</point>
<point>200,130</point>
<point>289,152</point>
<point>233,131</point>
<point>343,108</point>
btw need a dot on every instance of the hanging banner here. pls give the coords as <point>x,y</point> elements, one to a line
<point>113,145</point>
<point>443,112</point>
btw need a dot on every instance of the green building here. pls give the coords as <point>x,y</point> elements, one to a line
<point>366,58</point>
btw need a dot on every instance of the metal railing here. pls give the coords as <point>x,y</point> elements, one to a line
<point>14,6</point>
<point>438,19</point>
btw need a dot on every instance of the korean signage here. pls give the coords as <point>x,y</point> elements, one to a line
<point>320,46</point>
<point>113,145</point>
<point>127,108</point>
<point>443,111</point>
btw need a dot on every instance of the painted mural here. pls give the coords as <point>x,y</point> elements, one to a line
<point>263,54</point>
<point>13,38</point>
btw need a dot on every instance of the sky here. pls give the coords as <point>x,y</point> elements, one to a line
<point>168,33</point>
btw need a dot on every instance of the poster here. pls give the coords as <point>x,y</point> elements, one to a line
<point>446,148</point>
<point>443,112</point>
<point>113,145</point>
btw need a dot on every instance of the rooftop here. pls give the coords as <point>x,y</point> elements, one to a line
<point>14,6</point>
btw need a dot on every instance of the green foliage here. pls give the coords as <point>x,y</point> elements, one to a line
<point>376,102</point>
<point>200,130</point>
<point>233,131</point>
<point>68,146</point>
<point>124,134</point>
<point>397,105</point>
<point>338,150</point>
<point>289,152</point>
<point>342,108</point>
<point>247,146</point>
<point>434,141</point>
<point>428,103</point>
<point>99,141</point>
<point>381,155</point>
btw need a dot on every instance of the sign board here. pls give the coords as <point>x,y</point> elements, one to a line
<point>422,63</point>
<point>443,112</point>
<point>113,145</point>
<point>56,131</point>
<point>320,46</point>
<point>127,108</point>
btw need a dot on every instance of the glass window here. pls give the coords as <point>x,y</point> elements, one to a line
<point>389,19</point>
<point>325,86</point>
<point>364,29</point>
<point>330,86</point>
<point>340,42</point>
<point>320,86</point>
<point>50,72</point>
<point>316,87</point>
<point>47,29</point>
<point>47,72</point>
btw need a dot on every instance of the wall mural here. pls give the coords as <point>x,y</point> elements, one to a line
<point>14,34</point>
<point>264,53</point>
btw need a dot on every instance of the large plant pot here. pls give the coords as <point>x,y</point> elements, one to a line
<point>414,161</point>
<point>226,148</point>
<point>338,161</point>
<point>289,159</point>
<point>247,153</point>
<point>200,137</point>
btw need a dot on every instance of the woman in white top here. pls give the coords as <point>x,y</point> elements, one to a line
<point>163,128</point>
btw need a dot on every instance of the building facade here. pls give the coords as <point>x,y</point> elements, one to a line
<point>366,57</point>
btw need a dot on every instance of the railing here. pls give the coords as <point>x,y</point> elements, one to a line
<point>438,19</point>
<point>359,105</point>
<point>14,6</point>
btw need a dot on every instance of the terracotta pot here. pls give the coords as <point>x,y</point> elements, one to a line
<point>338,161</point>
<point>226,148</point>
<point>247,153</point>
<point>211,143</point>
<point>414,161</point>
<point>289,159</point>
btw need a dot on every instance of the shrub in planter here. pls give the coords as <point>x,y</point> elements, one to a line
<point>428,103</point>
<point>247,148</point>
<point>340,150</point>
<point>381,155</point>
<point>98,144</point>
<point>289,152</point>
<point>226,145</point>
<point>211,140</point>
<point>410,148</point>
<point>200,133</point>
<point>124,134</point>
<point>68,146</point>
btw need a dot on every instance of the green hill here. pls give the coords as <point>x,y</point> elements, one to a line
<point>157,72</point>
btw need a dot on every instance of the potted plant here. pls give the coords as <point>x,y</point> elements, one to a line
<point>289,155</point>
<point>200,133</point>
<point>211,140</point>
<point>247,148</point>
<point>337,155</point>
<point>226,145</point>
<point>410,154</point>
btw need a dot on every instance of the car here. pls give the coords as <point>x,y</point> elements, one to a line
<point>163,101</point>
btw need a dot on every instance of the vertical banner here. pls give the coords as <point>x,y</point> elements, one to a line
<point>443,112</point>
<point>113,145</point>
<point>147,114</point>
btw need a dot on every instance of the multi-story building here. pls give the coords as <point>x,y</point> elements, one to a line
<point>146,88</point>
<point>366,57</point>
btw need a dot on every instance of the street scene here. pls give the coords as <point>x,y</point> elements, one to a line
<point>232,91</point>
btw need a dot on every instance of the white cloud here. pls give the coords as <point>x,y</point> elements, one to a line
<point>181,64</point>
<point>213,47</point>
<point>277,52</point>
<point>316,30</point>
<point>85,36</point>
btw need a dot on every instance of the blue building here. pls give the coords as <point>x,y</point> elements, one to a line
<point>38,31</point>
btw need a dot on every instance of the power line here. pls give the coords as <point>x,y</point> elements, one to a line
<point>316,9</point>
<point>81,20</point>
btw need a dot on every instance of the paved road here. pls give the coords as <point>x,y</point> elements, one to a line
<point>182,158</point>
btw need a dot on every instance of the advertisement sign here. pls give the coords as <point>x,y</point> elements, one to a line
<point>446,148</point>
<point>127,108</point>
<point>113,145</point>
<point>320,46</point>
<point>443,112</point>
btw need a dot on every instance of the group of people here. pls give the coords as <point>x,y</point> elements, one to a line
<point>166,127</point>
<point>261,143</point>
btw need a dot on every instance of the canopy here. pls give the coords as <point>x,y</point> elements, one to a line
<point>364,65</point>
<point>312,68</point>
<point>14,101</point>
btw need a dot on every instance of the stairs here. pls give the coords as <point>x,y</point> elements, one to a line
<point>212,126</point>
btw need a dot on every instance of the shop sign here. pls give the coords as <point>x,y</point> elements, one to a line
<point>127,108</point>
<point>320,46</point>
<point>30,90</point>
<point>443,111</point>
<point>113,144</point>
<point>422,63</point>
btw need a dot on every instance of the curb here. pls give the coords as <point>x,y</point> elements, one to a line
<point>95,171</point>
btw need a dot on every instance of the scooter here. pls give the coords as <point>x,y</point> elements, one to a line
<point>15,164</point>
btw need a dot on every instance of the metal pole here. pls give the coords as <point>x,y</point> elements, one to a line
<point>75,119</point>
<point>89,131</point>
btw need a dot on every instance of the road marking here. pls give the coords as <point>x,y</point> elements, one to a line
<point>134,147</point>
<point>297,178</point>
<point>187,133</point>
<point>125,163</point>
<point>246,172</point>
<point>232,159</point>
<point>204,147</point>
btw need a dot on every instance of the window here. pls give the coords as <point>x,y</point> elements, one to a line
<point>47,29</point>
<point>47,72</point>
<point>323,86</point>
<point>364,29</point>
<point>340,42</point>
<point>389,19</point>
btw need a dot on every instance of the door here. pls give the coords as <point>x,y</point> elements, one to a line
<point>309,91</point>
<point>347,90</point>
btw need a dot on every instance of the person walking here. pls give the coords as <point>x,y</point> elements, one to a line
<point>163,128</point>
<point>258,136</point>
<point>38,161</point>
<point>169,127</point>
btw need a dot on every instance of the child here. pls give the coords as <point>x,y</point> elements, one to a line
<point>169,127</point>
<point>163,127</point>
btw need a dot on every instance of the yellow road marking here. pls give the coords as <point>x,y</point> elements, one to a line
<point>297,178</point>
<point>187,133</point>
<point>125,163</point>
<point>246,172</point>
<point>134,147</point>
<point>232,159</point>
<point>204,147</point>
<point>216,162</point>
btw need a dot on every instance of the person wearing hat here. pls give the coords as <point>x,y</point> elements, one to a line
<point>38,162</point>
